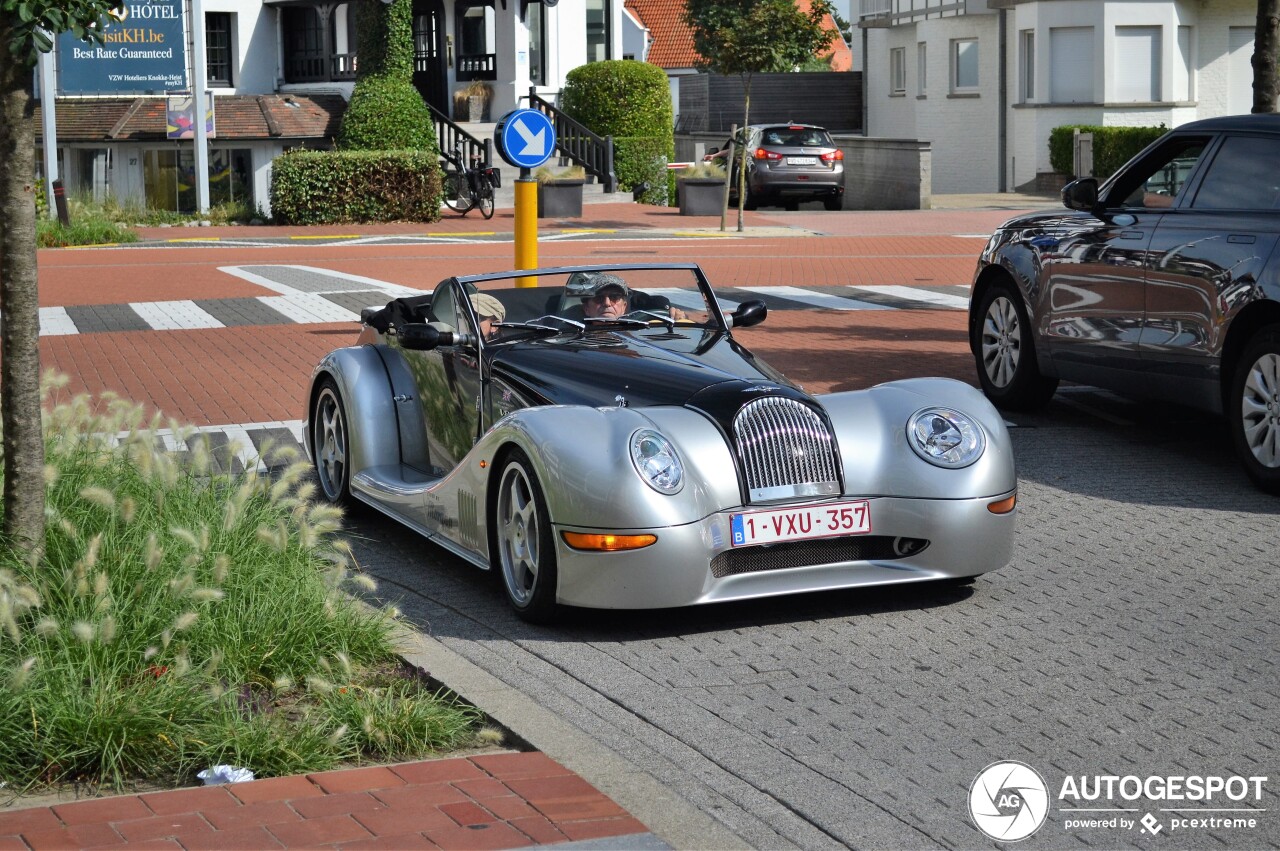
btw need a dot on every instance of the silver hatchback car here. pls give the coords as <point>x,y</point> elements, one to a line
<point>787,164</point>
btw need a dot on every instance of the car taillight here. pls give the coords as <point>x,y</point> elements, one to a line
<point>762,154</point>
<point>832,156</point>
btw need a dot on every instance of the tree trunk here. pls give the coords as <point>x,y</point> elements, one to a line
<point>23,526</point>
<point>746,134</point>
<point>1266,44</point>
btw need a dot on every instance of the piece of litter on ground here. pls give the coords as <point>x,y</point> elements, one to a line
<point>219,774</point>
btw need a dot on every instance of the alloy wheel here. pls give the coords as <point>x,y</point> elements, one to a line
<point>519,535</point>
<point>331,445</point>
<point>1001,342</point>
<point>1260,410</point>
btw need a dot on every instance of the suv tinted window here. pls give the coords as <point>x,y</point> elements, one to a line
<point>1244,174</point>
<point>1156,181</point>
<point>811,137</point>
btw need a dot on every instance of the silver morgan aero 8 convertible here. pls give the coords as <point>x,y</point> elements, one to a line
<point>597,437</point>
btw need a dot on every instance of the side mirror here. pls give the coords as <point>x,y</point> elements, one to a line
<point>749,313</point>
<point>1081,194</point>
<point>711,151</point>
<point>422,337</point>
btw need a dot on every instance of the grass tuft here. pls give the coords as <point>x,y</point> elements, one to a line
<point>181,619</point>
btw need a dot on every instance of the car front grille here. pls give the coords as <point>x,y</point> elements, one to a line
<point>810,553</point>
<point>785,449</point>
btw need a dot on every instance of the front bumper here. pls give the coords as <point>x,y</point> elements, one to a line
<point>965,539</point>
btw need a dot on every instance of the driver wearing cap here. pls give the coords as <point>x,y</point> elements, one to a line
<point>604,296</point>
<point>489,311</point>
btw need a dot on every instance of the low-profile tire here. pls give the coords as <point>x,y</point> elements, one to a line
<point>524,550</point>
<point>833,203</point>
<point>1254,409</point>
<point>1006,355</point>
<point>457,195</point>
<point>330,443</point>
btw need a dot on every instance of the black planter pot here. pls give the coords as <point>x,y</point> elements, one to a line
<point>700,196</point>
<point>560,199</point>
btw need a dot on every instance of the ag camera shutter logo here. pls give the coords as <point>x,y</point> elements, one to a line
<point>1008,801</point>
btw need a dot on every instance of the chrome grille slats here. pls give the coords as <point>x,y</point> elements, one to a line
<point>785,450</point>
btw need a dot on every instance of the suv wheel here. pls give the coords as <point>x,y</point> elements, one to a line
<point>1000,339</point>
<point>1254,409</point>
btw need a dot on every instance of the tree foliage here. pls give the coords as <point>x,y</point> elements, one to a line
<point>27,28</point>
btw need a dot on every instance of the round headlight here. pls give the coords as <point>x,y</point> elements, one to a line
<point>656,461</point>
<point>945,437</point>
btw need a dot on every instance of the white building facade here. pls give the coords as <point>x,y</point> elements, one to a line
<point>269,62</point>
<point>986,81</point>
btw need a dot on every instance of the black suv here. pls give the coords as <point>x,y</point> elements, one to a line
<point>1164,281</point>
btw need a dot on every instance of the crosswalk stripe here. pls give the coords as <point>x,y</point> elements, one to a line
<point>308,308</point>
<point>690,299</point>
<point>816,298</point>
<point>174,315</point>
<point>917,294</point>
<point>56,322</point>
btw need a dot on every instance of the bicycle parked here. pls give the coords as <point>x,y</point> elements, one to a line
<point>468,187</point>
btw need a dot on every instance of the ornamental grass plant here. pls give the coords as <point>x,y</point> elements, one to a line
<point>182,618</point>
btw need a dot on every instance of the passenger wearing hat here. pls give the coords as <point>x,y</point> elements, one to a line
<point>604,296</point>
<point>489,311</point>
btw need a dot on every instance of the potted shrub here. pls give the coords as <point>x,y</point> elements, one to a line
<point>700,190</point>
<point>560,192</point>
<point>471,103</point>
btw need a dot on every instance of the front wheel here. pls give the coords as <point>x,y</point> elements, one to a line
<point>1006,355</point>
<point>525,550</point>
<point>1255,409</point>
<point>457,195</point>
<point>486,198</point>
<point>330,443</point>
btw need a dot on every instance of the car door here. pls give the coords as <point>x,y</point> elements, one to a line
<point>1094,272</point>
<point>1206,258</point>
<point>447,380</point>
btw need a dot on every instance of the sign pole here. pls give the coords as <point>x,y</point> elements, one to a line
<point>525,138</point>
<point>49,129</point>
<point>526,225</point>
<point>199,87</point>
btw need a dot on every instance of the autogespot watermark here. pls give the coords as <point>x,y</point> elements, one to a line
<point>1009,801</point>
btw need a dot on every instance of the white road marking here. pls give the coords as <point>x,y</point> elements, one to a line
<point>56,322</point>
<point>284,289</point>
<point>689,299</point>
<point>916,294</point>
<point>816,298</point>
<point>174,315</point>
<point>308,308</point>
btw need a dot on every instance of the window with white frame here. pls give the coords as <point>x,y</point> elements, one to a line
<point>922,68</point>
<point>1137,65</point>
<point>1027,69</point>
<point>897,70</point>
<point>1071,65</point>
<point>964,65</point>
<point>1184,88</point>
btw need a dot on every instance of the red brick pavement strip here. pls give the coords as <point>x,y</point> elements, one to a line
<point>450,803</point>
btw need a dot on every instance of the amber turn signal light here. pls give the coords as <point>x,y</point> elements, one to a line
<point>607,543</point>
<point>1003,506</point>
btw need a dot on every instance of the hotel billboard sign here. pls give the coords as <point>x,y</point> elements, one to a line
<point>144,49</point>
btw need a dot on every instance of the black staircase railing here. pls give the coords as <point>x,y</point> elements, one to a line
<point>450,136</point>
<point>573,140</point>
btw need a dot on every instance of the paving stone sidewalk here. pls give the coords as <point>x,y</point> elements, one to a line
<point>491,801</point>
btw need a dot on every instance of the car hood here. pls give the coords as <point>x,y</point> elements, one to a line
<point>645,369</point>
<point>1048,220</point>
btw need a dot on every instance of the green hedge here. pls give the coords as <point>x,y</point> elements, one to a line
<point>331,187</point>
<point>385,38</point>
<point>1112,146</point>
<point>386,114</point>
<point>630,101</point>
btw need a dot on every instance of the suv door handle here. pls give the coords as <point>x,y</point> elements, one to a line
<point>1242,238</point>
<point>1132,234</point>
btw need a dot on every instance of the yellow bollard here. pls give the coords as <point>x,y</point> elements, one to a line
<point>526,228</point>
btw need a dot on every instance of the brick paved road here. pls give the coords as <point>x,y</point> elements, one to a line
<point>1135,633</point>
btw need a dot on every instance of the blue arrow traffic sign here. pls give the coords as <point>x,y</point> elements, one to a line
<point>525,138</point>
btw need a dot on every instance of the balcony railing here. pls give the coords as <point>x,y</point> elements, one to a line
<point>318,66</point>
<point>883,13</point>
<point>477,66</point>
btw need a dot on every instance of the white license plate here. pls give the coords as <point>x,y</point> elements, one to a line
<point>797,524</point>
<point>802,160</point>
